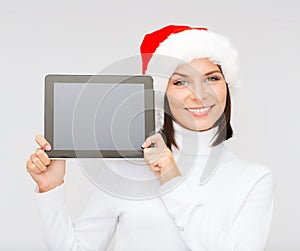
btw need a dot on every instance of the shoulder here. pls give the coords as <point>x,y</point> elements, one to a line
<point>243,167</point>
<point>235,171</point>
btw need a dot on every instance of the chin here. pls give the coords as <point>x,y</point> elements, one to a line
<point>195,124</point>
<point>202,125</point>
<point>193,127</point>
<point>204,129</point>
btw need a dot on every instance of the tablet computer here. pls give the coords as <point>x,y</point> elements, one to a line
<point>98,116</point>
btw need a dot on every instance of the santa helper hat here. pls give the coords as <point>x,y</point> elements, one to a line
<point>164,50</point>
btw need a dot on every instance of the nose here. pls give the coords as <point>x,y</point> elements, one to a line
<point>198,92</point>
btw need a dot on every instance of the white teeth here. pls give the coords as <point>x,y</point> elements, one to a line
<point>200,110</point>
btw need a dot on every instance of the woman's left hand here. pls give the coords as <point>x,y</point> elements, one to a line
<point>160,158</point>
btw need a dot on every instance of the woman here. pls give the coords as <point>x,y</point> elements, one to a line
<point>209,198</point>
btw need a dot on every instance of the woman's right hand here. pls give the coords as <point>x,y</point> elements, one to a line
<point>47,173</point>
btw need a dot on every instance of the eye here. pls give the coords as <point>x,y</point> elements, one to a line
<point>180,82</point>
<point>212,79</point>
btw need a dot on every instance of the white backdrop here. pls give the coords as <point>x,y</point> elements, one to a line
<point>38,37</point>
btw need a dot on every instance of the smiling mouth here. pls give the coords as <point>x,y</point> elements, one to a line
<point>200,110</point>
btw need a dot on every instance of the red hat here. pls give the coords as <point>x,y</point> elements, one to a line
<point>152,41</point>
<point>165,49</point>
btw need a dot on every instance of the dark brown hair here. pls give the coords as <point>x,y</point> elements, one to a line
<point>224,127</point>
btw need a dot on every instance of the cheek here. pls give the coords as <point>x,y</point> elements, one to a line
<point>176,98</point>
<point>220,93</point>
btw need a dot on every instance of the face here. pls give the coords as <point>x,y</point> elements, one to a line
<point>197,94</point>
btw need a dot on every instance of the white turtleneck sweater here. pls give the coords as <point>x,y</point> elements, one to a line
<point>230,210</point>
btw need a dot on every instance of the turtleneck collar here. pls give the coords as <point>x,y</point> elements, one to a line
<point>193,142</point>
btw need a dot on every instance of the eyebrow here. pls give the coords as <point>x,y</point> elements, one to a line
<point>180,74</point>
<point>211,72</point>
<point>206,74</point>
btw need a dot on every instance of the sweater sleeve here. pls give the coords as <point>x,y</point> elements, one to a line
<point>92,231</point>
<point>201,231</point>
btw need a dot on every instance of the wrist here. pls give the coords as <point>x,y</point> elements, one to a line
<point>46,188</point>
<point>164,178</point>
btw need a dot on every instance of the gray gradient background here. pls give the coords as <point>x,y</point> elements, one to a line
<point>40,37</point>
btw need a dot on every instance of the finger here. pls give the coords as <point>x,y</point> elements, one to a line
<point>36,161</point>
<point>152,155</point>
<point>146,144</point>
<point>43,156</point>
<point>157,151</point>
<point>155,168</point>
<point>154,139</point>
<point>31,168</point>
<point>43,143</point>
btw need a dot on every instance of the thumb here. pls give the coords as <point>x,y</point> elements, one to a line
<point>155,139</point>
<point>42,142</point>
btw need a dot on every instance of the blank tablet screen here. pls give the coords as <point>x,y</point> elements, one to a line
<point>93,116</point>
<point>97,115</point>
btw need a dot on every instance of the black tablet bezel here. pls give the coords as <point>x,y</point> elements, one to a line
<point>49,112</point>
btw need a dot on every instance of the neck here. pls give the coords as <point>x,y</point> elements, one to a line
<point>193,142</point>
